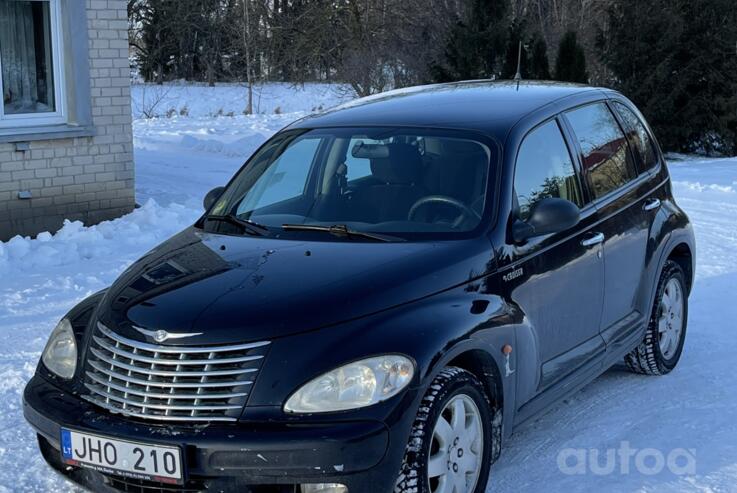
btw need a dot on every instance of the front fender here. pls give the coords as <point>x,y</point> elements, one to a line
<point>485,342</point>
<point>433,332</point>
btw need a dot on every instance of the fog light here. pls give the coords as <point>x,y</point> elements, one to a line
<point>324,488</point>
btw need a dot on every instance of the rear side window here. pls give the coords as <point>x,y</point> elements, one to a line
<point>544,169</point>
<point>639,137</point>
<point>607,162</point>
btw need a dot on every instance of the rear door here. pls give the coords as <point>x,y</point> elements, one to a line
<point>619,194</point>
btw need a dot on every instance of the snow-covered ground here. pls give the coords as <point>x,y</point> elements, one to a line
<point>179,159</point>
<point>230,99</point>
<point>689,416</point>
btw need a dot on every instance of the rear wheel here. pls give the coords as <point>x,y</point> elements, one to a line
<point>661,349</point>
<point>451,442</point>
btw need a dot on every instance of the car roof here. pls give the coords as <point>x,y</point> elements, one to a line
<point>489,107</point>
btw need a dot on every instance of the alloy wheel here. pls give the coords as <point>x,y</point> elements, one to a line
<point>456,450</point>
<point>670,322</point>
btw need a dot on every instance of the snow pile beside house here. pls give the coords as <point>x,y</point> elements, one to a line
<point>121,238</point>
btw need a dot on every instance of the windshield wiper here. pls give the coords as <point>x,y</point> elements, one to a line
<point>340,230</point>
<point>250,227</point>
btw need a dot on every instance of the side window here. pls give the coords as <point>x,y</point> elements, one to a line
<point>638,136</point>
<point>290,171</point>
<point>544,169</point>
<point>606,159</point>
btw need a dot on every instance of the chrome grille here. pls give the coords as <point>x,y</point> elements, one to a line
<point>170,383</point>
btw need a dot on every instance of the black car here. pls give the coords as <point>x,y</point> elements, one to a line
<point>377,299</point>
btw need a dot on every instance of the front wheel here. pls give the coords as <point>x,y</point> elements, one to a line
<point>451,443</point>
<point>661,349</point>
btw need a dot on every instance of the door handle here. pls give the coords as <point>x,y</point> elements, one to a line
<point>592,240</point>
<point>651,205</point>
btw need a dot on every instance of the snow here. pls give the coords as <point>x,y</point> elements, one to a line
<point>180,158</point>
<point>225,99</point>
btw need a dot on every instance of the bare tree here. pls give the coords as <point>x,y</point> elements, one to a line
<point>150,100</point>
<point>248,42</point>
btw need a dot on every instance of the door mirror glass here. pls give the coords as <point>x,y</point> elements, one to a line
<point>550,215</point>
<point>212,196</point>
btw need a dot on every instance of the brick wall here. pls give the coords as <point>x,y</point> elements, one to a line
<point>82,178</point>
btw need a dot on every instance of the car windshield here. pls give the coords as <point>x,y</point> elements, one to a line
<point>404,183</point>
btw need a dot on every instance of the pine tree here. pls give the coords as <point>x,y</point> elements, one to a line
<point>157,39</point>
<point>476,43</point>
<point>570,65</point>
<point>679,67</point>
<point>539,65</point>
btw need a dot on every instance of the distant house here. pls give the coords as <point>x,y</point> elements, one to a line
<point>66,146</point>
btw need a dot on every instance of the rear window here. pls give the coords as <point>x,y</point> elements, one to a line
<point>607,162</point>
<point>638,136</point>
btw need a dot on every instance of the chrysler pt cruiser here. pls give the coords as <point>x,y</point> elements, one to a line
<point>375,301</point>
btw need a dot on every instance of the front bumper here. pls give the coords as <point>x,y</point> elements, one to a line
<point>256,457</point>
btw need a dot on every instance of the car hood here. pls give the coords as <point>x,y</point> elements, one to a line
<point>222,289</point>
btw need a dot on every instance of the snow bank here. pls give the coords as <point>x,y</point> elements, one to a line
<point>75,243</point>
<point>192,100</point>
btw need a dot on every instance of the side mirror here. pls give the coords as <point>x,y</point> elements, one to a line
<point>551,215</point>
<point>212,197</point>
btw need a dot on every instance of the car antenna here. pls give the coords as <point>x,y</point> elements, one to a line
<point>518,75</point>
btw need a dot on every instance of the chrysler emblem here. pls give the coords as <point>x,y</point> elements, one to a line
<point>162,335</point>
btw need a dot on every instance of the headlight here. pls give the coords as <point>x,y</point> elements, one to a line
<point>60,354</point>
<point>359,384</point>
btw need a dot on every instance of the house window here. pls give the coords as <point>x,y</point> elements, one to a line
<point>31,80</point>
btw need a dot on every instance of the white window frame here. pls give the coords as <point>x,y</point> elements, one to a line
<point>57,56</point>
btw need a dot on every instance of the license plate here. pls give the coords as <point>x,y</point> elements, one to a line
<point>121,457</point>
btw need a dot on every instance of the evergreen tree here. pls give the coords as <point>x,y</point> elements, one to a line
<point>679,67</point>
<point>539,65</point>
<point>571,63</point>
<point>157,39</point>
<point>475,44</point>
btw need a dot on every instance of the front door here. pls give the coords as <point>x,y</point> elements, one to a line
<point>556,280</point>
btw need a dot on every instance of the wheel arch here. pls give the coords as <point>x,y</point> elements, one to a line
<point>679,245</point>
<point>683,256</point>
<point>480,363</point>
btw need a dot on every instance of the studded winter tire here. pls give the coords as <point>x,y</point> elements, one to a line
<point>451,444</point>
<point>661,349</point>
